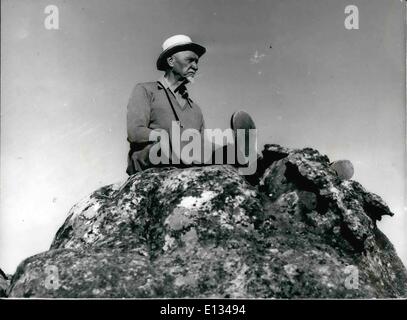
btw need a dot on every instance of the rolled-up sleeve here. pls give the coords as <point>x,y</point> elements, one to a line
<point>138,115</point>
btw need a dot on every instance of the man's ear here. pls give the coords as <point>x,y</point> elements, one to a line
<point>170,61</point>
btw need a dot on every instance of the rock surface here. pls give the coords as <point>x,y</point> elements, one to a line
<point>205,232</point>
<point>4,283</point>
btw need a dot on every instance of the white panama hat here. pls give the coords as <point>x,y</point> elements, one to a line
<point>175,44</point>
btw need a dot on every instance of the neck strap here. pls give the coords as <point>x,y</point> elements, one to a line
<point>169,100</point>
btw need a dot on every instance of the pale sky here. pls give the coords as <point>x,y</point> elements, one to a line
<point>64,94</point>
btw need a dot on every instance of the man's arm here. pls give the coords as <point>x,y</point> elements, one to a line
<point>138,120</point>
<point>138,116</point>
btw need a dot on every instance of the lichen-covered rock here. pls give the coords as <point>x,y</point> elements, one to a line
<point>4,283</point>
<point>205,232</point>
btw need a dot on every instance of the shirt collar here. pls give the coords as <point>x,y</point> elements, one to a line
<point>167,85</point>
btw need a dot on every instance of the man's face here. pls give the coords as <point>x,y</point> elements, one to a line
<point>184,64</point>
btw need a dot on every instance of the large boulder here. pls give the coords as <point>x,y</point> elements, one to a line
<point>205,232</point>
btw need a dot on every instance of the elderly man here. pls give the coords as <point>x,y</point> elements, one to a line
<point>156,106</point>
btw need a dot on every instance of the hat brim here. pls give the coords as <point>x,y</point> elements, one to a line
<point>162,59</point>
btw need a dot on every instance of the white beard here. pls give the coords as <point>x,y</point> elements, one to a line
<point>191,79</point>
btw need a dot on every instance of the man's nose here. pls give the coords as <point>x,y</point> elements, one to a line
<point>194,66</point>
